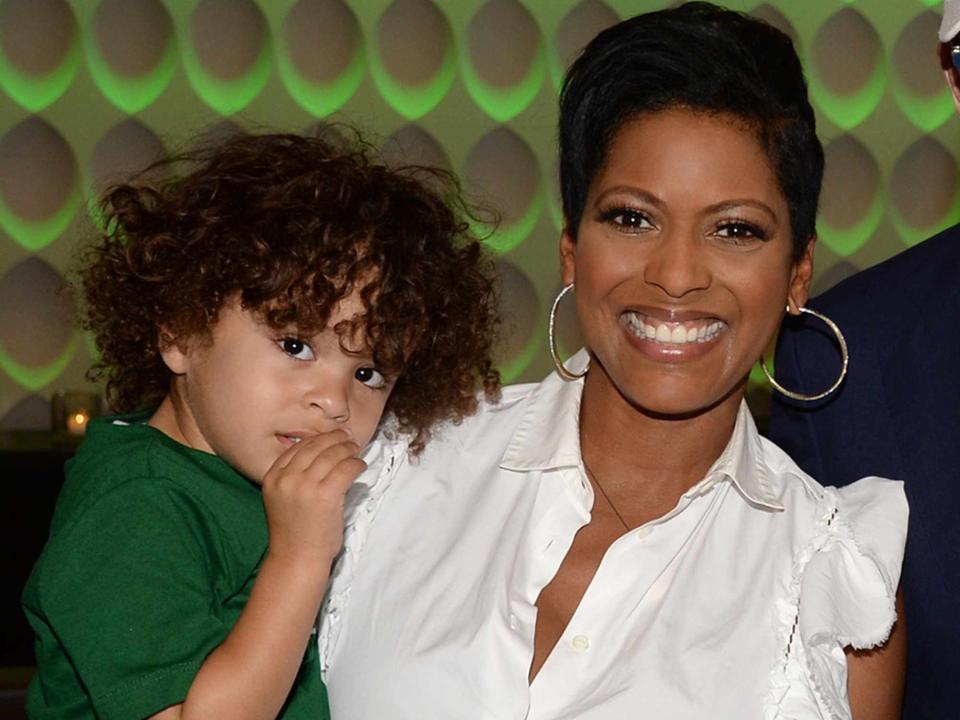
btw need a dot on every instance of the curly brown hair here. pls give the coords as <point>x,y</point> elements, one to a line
<point>293,225</point>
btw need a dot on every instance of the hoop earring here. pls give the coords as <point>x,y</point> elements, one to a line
<point>843,370</point>
<point>551,339</point>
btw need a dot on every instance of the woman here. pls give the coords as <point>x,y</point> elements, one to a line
<point>624,544</point>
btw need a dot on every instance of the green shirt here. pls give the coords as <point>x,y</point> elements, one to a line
<point>152,554</point>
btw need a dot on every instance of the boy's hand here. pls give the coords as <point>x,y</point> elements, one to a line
<point>303,493</point>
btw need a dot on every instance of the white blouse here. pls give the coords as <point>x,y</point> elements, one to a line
<point>736,604</point>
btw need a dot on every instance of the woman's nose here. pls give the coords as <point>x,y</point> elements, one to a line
<point>675,265</point>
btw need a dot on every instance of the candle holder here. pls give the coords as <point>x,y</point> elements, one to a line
<point>71,411</point>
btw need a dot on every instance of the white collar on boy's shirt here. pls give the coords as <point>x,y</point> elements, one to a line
<point>548,438</point>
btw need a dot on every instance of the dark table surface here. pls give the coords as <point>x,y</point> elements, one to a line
<point>30,480</point>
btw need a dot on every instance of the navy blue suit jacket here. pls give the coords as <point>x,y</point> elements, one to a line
<point>897,415</point>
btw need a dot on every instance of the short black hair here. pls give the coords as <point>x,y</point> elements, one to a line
<point>706,59</point>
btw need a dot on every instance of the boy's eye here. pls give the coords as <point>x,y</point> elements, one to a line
<point>371,377</point>
<point>296,348</point>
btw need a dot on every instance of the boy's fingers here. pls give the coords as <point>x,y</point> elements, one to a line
<point>283,459</point>
<point>341,475</point>
<point>323,462</point>
<point>306,451</point>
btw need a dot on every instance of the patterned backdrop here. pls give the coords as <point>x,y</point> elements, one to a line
<point>93,89</point>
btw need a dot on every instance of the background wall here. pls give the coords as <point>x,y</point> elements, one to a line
<point>93,89</point>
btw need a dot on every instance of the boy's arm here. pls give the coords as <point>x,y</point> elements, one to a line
<point>249,675</point>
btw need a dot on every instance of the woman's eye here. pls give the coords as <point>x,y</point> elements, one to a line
<point>371,377</point>
<point>627,219</point>
<point>296,348</point>
<point>740,232</point>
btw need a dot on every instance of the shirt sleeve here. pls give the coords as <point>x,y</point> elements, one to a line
<point>849,586</point>
<point>128,592</point>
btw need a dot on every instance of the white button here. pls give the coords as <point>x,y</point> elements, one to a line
<point>513,622</point>
<point>643,532</point>
<point>580,643</point>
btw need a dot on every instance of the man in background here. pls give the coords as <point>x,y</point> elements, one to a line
<point>897,415</point>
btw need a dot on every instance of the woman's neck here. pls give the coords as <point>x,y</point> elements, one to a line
<point>646,460</point>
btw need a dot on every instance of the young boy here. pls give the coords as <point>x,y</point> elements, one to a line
<point>255,317</point>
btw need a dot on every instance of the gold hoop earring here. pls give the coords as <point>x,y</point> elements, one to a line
<point>551,339</point>
<point>843,370</point>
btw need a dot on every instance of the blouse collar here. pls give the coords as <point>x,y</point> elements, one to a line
<point>548,438</point>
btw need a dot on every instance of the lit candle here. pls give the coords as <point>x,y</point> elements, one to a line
<point>72,411</point>
<point>77,422</point>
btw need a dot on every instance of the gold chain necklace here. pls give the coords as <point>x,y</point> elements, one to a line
<point>596,481</point>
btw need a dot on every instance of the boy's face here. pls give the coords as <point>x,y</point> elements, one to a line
<point>250,392</point>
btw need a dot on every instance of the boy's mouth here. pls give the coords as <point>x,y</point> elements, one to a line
<point>289,439</point>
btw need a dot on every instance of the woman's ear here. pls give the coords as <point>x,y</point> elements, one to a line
<point>175,352</point>
<point>568,257</point>
<point>800,277</point>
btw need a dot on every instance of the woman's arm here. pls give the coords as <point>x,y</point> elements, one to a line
<point>876,677</point>
<point>250,673</point>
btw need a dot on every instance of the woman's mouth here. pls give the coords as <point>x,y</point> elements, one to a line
<point>672,339</point>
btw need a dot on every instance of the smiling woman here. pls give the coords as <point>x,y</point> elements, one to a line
<point>682,262</point>
<point>619,540</point>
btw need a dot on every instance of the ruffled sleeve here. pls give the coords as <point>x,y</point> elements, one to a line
<point>360,508</point>
<point>849,586</point>
<point>846,580</point>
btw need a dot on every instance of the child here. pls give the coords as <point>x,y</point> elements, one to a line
<point>256,317</point>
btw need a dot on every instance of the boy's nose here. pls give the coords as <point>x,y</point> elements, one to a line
<point>332,401</point>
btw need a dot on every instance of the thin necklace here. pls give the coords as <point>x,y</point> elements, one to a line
<point>596,481</point>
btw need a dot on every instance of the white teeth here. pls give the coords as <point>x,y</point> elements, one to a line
<point>674,333</point>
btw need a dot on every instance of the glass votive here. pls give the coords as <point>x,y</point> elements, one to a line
<point>70,411</point>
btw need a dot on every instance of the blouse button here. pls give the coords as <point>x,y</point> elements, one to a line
<point>643,532</point>
<point>580,643</point>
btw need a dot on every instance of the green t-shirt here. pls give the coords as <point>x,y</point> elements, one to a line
<point>152,554</point>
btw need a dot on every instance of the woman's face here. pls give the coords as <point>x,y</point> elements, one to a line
<point>683,262</point>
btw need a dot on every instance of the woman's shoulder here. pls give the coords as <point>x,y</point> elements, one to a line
<point>870,515</point>
<point>805,491</point>
<point>490,426</point>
